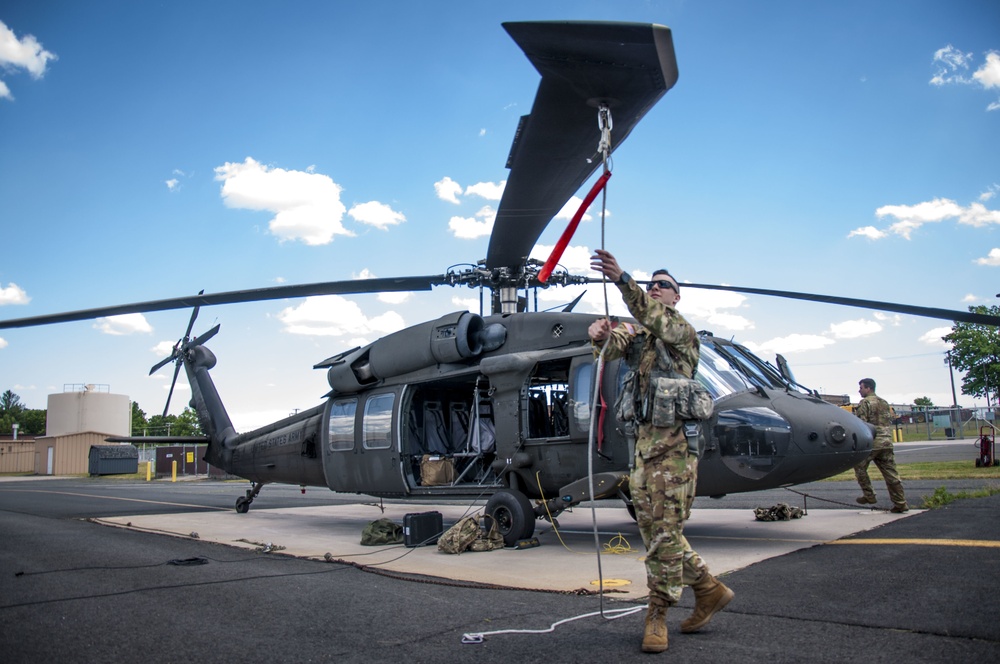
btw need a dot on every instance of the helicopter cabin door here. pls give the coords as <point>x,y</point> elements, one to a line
<point>360,453</point>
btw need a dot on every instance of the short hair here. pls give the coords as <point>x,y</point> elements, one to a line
<point>664,270</point>
<point>867,382</point>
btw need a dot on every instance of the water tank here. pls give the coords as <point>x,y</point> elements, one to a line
<point>87,408</point>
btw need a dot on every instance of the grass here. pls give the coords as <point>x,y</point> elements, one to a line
<point>942,497</point>
<point>938,470</point>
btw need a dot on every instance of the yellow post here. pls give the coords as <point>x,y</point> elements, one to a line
<point>149,470</point>
<point>173,470</point>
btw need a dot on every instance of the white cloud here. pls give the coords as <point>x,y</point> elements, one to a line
<point>949,65</point>
<point>3,342</point>
<point>25,53</point>
<point>852,329</point>
<point>491,191</point>
<point>172,184</point>
<point>992,260</point>
<point>163,348</point>
<point>467,303</point>
<point>448,190</point>
<point>468,228</point>
<point>970,298</point>
<point>793,343</point>
<point>933,337</point>
<point>871,360</point>
<point>307,205</point>
<point>869,232</point>
<point>13,294</point>
<point>576,259</point>
<point>991,191</point>
<point>911,217</point>
<point>332,315</point>
<point>894,319</point>
<point>376,214</point>
<point>989,74</point>
<point>123,325</point>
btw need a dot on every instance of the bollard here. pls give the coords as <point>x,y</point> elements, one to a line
<point>173,470</point>
<point>149,470</point>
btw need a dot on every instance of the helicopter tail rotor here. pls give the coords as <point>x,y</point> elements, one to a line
<point>179,351</point>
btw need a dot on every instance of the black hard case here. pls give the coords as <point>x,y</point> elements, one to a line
<point>422,528</point>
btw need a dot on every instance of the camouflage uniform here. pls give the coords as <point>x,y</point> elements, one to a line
<point>877,411</point>
<point>663,480</point>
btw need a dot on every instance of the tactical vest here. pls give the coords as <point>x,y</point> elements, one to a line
<point>667,397</point>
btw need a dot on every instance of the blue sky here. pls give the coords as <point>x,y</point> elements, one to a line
<point>151,150</point>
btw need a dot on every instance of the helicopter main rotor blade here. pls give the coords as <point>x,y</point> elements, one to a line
<point>913,310</point>
<point>626,66</point>
<point>348,287</point>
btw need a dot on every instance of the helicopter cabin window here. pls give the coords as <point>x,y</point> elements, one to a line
<point>548,400</point>
<point>378,421</point>
<point>341,427</point>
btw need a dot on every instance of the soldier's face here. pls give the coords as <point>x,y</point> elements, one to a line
<point>665,295</point>
<point>863,391</point>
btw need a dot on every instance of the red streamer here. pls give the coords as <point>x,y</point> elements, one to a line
<point>560,247</point>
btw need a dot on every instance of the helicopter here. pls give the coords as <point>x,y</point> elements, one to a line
<point>512,405</point>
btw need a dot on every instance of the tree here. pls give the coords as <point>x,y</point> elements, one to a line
<point>922,403</point>
<point>976,351</point>
<point>10,404</point>
<point>186,424</point>
<point>139,421</point>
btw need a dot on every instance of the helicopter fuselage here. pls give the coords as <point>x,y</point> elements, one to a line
<point>510,409</point>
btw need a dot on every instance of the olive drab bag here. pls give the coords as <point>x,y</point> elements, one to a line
<point>381,532</point>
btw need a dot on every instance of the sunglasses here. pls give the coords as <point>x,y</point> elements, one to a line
<point>662,283</point>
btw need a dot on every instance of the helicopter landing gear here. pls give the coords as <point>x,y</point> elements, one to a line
<point>243,504</point>
<point>513,514</point>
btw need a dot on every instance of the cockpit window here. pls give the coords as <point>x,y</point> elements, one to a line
<point>718,375</point>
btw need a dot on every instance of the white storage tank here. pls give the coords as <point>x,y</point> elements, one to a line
<point>86,408</point>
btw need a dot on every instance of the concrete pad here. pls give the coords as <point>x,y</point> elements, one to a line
<point>566,559</point>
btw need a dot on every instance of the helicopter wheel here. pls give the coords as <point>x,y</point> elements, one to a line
<point>242,505</point>
<point>513,514</point>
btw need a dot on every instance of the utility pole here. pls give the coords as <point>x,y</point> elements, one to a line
<point>954,400</point>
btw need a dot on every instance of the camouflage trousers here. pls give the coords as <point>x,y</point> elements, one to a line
<point>662,489</point>
<point>885,461</point>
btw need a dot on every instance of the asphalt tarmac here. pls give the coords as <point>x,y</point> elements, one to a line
<point>914,588</point>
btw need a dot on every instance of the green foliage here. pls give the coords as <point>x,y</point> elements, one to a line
<point>10,404</point>
<point>942,497</point>
<point>976,351</point>
<point>185,424</point>
<point>923,402</point>
<point>30,422</point>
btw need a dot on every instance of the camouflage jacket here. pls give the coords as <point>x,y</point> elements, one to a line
<point>660,324</point>
<point>876,411</point>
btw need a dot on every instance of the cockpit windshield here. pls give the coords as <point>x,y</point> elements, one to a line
<point>718,375</point>
<point>755,370</point>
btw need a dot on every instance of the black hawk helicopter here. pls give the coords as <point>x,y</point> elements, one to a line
<point>510,404</point>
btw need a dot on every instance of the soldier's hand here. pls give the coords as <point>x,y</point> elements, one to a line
<point>599,329</point>
<point>604,261</point>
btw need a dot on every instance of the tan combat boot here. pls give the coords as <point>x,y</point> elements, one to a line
<point>655,637</point>
<point>710,597</point>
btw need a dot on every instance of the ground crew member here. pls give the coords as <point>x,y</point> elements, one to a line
<point>876,411</point>
<point>662,482</point>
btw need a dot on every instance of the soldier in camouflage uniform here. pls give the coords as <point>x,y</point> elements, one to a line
<point>662,483</point>
<point>877,412</point>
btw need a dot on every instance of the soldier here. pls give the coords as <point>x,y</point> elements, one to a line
<point>876,411</point>
<point>662,483</point>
